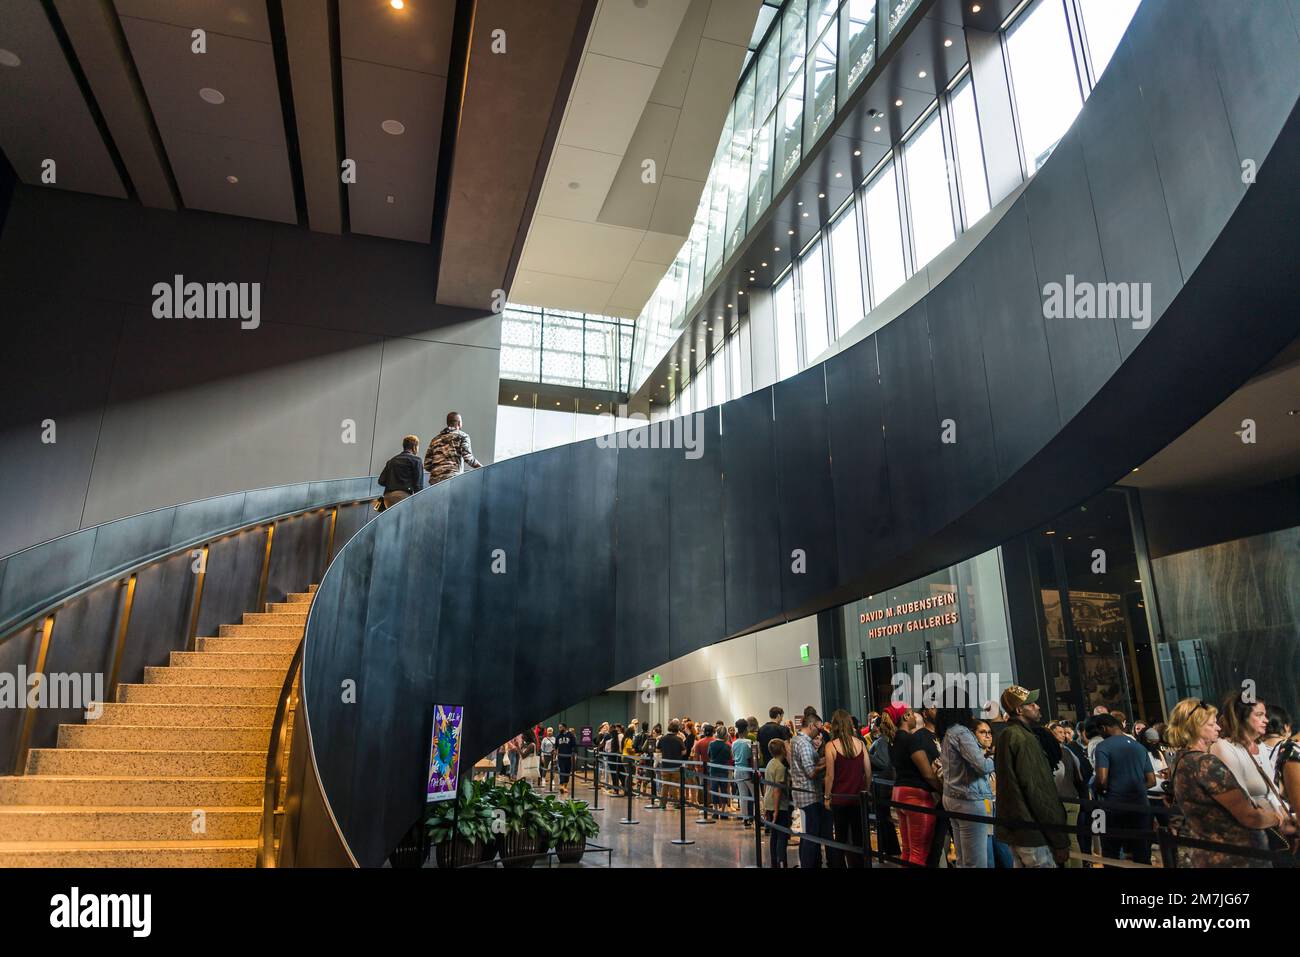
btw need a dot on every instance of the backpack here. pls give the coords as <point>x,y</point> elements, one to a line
<point>881,764</point>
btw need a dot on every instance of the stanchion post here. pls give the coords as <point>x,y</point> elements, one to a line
<point>865,813</point>
<point>681,804</point>
<point>630,770</point>
<point>704,794</point>
<point>595,780</point>
<point>756,793</point>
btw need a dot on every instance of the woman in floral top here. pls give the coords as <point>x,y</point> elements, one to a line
<point>1215,807</point>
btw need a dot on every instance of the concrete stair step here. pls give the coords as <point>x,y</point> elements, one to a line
<point>227,659</point>
<point>261,631</point>
<point>52,822</point>
<point>250,645</point>
<point>188,715</point>
<point>214,677</point>
<point>208,853</point>
<point>290,608</point>
<point>70,790</point>
<point>124,737</point>
<point>300,597</point>
<point>263,695</point>
<point>278,618</point>
<point>91,762</point>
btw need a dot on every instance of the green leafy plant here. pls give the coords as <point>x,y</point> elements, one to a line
<point>522,810</point>
<point>470,812</point>
<point>573,822</point>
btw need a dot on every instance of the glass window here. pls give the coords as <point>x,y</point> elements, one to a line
<point>846,272</point>
<point>765,92</point>
<point>760,169</point>
<point>789,134</point>
<point>699,243</point>
<point>821,87</point>
<point>898,13</point>
<point>738,172</point>
<point>1105,21</point>
<point>718,208</point>
<point>820,15</point>
<point>970,152</point>
<point>1045,79</point>
<point>812,281</point>
<point>884,235</point>
<point>718,374</point>
<point>521,345</point>
<point>733,360</point>
<point>787,346</point>
<point>600,361</point>
<point>625,335</point>
<point>927,190</point>
<point>562,350</point>
<point>514,431</point>
<point>552,427</point>
<point>858,27</point>
<point>794,39</point>
<point>766,15</point>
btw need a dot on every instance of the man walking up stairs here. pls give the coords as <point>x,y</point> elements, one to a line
<point>171,774</point>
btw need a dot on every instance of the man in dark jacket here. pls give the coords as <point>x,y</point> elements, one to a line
<point>404,473</point>
<point>1026,790</point>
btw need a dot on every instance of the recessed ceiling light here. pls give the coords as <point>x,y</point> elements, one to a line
<point>232,180</point>
<point>821,195</point>
<point>776,249</point>
<point>857,152</point>
<point>393,127</point>
<point>975,9</point>
<point>9,58</point>
<point>805,215</point>
<point>947,43</point>
<point>728,306</point>
<point>898,103</point>
<point>397,4</point>
<point>791,231</point>
<point>839,175</point>
<point>741,292</point>
<point>209,95</point>
<point>921,75</point>
<point>800,203</point>
<point>692,350</point>
<point>764,265</point>
<point>598,404</point>
<point>389,199</point>
<point>876,129</point>
<point>574,184</point>
<point>515,399</point>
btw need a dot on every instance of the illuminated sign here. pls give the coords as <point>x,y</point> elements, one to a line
<point>911,608</point>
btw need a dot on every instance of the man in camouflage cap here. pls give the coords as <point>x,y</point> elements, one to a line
<point>447,450</point>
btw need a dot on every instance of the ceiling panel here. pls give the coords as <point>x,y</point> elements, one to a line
<point>42,112</point>
<point>636,286</point>
<point>560,292</point>
<point>201,138</point>
<point>676,204</point>
<point>659,248</point>
<point>236,18</point>
<point>642,34</point>
<point>608,97</point>
<point>732,21</point>
<point>405,166</point>
<point>581,250</point>
<point>704,110</point>
<point>631,200</point>
<point>577,183</point>
<point>417,37</point>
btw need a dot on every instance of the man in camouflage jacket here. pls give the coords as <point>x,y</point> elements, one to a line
<point>447,450</point>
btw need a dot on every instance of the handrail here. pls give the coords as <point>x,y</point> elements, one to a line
<point>39,608</point>
<point>276,749</point>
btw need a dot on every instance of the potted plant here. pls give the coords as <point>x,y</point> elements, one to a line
<point>573,826</point>
<point>523,824</point>
<point>471,815</point>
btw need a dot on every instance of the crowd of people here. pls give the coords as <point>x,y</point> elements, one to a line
<point>1016,791</point>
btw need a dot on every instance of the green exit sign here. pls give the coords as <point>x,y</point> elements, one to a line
<point>658,678</point>
<point>803,652</point>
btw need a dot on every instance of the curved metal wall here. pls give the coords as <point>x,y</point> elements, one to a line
<point>617,560</point>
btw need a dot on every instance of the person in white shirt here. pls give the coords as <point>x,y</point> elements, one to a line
<point>1244,724</point>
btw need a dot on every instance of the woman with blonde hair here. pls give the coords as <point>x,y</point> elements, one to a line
<point>1215,806</point>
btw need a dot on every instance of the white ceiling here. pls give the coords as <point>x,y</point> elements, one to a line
<point>655,82</point>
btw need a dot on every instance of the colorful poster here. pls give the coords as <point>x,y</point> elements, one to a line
<point>585,736</point>
<point>444,753</point>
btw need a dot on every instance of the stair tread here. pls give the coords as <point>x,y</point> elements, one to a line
<point>142,751</point>
<point>14,809</point>
<point>55,778</point>
<point>124,845</point>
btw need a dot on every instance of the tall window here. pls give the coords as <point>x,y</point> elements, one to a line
<point>846,272</point>
<point>787,345</point>
<point>733,361</point>
<point>718,374</point>
<point>927,190</point>
<point>884,235</point>
<point>1045,78</point>
<point>1105,22</point>
<point>970,152</point>
<point>812,279</point>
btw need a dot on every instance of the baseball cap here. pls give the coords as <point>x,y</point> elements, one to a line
<point>1015,696</point>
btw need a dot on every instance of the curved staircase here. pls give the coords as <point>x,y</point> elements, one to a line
<point>171,774</point>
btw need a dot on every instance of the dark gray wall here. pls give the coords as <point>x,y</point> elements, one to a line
<point>1048,412</point>
<point>153,412</point>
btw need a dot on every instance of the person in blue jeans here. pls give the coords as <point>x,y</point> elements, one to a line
<point>966,783</point>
